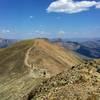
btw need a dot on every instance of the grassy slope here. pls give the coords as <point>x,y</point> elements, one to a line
<point>12,58</point>
<point>13,77</point>
<point>52,57</point>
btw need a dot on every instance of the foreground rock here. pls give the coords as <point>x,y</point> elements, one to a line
<point>81,82</point>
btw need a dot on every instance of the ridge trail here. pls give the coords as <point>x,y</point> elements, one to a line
<point>27,57</point>
<point>34,71</point>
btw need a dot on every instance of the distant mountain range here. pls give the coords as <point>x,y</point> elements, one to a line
<point>89,48</point>
<point>6,42</point>
<point>86,48</point>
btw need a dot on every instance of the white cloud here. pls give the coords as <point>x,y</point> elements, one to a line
<point>70,6</point>
<point>5,31</point>
<point>41,33</point>
<point>31,17</point>
<point>98,5</point>
<point>61,32</point>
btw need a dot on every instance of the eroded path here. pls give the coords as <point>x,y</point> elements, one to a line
<point>27,57</point>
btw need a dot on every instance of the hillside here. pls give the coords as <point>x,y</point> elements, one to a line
<point>80,82</point>
<point>25,64</point>
<point>51,57</point>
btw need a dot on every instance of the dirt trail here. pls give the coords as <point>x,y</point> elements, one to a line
<point>27,57</point>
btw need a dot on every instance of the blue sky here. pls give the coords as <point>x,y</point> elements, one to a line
<point>40,18</point>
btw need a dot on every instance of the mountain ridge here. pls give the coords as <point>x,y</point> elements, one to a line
<point>19,73</point>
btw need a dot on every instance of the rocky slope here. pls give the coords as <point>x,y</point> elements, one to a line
<point>81,82</point>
